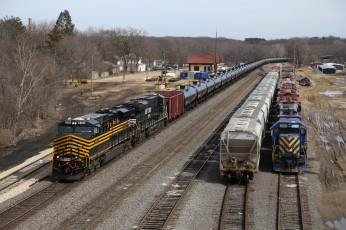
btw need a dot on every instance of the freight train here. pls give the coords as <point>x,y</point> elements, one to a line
<point>289,134</point>
<point>85,143</point>
<point>241,140</point>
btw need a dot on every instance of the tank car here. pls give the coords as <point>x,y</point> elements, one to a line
<point>217,80</point>
<point>190,96</point>
<point>201,89</point>
<point>210,83</point>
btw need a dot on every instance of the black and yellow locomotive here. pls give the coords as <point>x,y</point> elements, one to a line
<point>87,142</point>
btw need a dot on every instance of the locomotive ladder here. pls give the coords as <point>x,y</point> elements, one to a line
<point>290,208</point>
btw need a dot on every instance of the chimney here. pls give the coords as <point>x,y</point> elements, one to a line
<point>30,25</point>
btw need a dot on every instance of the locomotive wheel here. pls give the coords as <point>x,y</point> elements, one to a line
<point>251,176</point>
<point>246,178</point>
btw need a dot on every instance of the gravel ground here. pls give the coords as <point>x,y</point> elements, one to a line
<point>68,205</point>
<point>202,205</point>
<point>263,200</point>
<point>139,203</point>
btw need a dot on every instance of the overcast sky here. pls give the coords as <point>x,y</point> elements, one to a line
<point>237,19</point>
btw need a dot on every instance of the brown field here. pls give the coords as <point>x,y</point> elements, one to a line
<point>324,109</point>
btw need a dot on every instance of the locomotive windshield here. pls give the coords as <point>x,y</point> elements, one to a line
<point>65,129</point>
<point>74,129</point>
<point>81,129</point>
<point>293,131</point>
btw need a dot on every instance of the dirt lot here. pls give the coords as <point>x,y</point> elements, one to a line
<point>323,111</point>
<point>323,103</point>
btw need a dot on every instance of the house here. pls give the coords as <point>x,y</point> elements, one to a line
<point>112,67</point>
<point>134,63</point>
<point>158,64</point>
<point>115,65</point>
<point>206,63</point>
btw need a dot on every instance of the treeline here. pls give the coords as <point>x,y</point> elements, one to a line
<point>36,63</point>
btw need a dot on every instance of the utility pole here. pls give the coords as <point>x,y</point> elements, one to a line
<point>164,59</point>
<point>294,62</point>
<point>123,72</point>
<point>92,70</point>
<point>215,65</point>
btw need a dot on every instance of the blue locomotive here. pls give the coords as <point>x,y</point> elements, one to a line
<point>289,139</point>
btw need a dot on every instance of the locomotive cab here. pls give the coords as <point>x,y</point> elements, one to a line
<point>289,144</point>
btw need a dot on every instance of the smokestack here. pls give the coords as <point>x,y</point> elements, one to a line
<point>30,25</point>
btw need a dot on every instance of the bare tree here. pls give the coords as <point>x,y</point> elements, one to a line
<point>125,42</point>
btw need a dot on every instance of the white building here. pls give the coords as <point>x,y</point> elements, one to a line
<point>135,64</point>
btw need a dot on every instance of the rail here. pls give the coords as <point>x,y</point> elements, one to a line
<point>289,205</point>
<point>234,211</point>
<point>20,209</point>
<point>28,170</point>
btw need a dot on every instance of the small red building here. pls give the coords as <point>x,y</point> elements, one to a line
<point>203,63</point>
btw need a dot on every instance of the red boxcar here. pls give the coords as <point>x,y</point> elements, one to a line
<point>175,103</point>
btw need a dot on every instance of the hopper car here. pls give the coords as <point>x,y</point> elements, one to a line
<point>241,140</point>
<point>85,143</point>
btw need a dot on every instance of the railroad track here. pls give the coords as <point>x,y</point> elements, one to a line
<point>92,214</point>
<point>290,208</point>
<point>159,214</point>
<point>16,212</point>
<point>234,212</point>
<point>102,205</point>
<point>163,209</point>
<point>24,172</point>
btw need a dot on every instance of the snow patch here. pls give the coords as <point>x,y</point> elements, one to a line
<point>333,93</point>
<point>338,224</point>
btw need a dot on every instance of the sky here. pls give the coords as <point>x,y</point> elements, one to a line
<point>268,19</point>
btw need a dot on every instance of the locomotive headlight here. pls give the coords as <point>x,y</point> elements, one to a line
<point>57,157</point>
